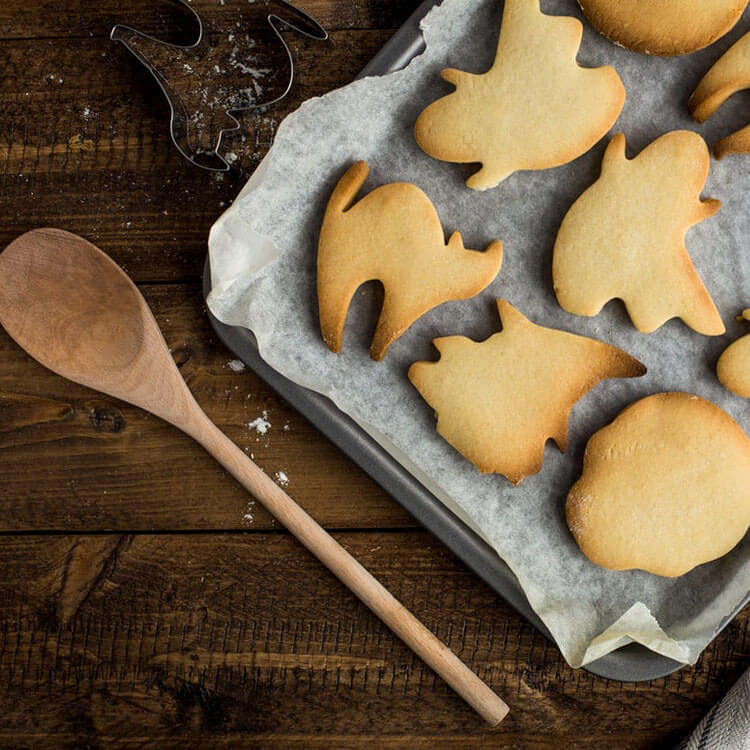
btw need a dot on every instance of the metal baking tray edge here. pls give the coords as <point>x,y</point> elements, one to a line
<point>629,663</point>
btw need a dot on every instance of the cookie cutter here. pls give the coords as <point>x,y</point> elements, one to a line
<point>211,80</point>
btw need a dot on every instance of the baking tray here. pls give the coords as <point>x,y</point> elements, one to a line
<point>629,663</point>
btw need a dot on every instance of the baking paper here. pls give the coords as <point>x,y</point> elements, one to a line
<point>263,254</point>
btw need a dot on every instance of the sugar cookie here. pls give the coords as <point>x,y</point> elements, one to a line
<point>733,367</point>
<point>392,234</point>
<point>535,108</point>
<point>663,27</point>
<point>665,487</point>
<point>498,401</point>
<point>728,75</point>
<point>624,236</point>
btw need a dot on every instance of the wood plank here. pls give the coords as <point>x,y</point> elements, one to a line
<point>226,639</point>
<point>243,640</point>
<point>97,158</point>
<point>72,459</point>
<point>46,19</point>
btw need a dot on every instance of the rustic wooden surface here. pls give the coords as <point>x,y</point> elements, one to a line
<point>145,600</point>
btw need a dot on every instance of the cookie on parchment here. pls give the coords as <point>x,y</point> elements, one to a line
<point>498,401</point>
<point>663,27</point>
<point>392,234</point>
<point>624,236</point>
<point>728,75</point>
<point>535,108</point>
<point>665,487</point>
<point>733,366</point>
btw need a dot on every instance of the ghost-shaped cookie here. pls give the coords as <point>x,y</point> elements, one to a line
<point>624,237</point>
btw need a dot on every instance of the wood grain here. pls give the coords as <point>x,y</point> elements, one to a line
<point>97,159</point>
<point>275,653</point>
<point>246,640</point>
<point>80,19</point>
<point>75,460</point>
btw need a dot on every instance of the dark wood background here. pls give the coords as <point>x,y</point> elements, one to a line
<point>144,599</point>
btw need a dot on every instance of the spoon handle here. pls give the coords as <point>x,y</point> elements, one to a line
<point>369,590</point>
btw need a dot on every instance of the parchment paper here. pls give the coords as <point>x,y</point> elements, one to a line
<point>263,253</point>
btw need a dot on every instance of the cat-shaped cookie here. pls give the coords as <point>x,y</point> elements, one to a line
<point>394,235</point>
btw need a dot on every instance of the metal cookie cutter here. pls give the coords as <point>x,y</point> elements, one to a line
<point>222,74</point>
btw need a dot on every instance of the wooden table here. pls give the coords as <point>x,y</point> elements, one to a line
<point>145,598</point>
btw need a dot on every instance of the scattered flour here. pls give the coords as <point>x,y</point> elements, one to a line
<point>235,365</point>
<point>248,516</point>
<point>260,424</point>
<point>282,478</point>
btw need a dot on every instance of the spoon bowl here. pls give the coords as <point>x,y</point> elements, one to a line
<point>72,308</point>
<point>66,331</point>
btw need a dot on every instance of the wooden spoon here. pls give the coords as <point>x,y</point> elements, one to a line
<point>74,310</point>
